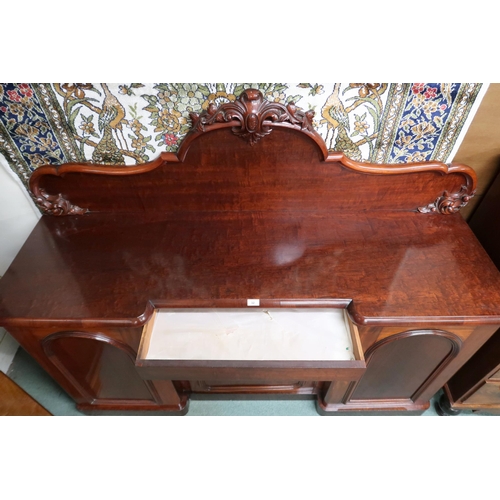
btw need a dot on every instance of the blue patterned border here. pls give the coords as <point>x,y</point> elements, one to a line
<point>23,119</point>
<point>427,109</point>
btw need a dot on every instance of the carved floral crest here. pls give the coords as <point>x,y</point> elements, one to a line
<point>254,114</point>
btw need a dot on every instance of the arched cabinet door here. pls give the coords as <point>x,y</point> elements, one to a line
<point>100,368</point>
<point>401,366</point>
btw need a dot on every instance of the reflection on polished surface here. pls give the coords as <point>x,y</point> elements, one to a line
<point>288,253</point>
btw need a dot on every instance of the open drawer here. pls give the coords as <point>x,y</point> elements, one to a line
<point>254,345</point>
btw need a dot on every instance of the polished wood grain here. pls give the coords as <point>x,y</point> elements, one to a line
<point>266,177</point>
<point>252,206</point>
<point>403,268</point>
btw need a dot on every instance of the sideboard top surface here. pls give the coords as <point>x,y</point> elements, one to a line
<point>394,267</point>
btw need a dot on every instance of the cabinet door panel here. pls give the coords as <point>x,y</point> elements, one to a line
<point>400,366</point>
<point>99,369</point>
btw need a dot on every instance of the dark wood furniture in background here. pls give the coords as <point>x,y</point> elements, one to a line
<point>252,214</point>
<point>476,386</point>
<point>485,221</point>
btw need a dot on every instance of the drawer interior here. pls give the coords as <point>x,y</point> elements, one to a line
<point>256,334</point>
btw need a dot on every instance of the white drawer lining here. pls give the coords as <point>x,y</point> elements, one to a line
<point>312,334</point>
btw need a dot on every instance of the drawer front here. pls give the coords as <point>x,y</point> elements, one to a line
<point>272,346</point>
<point>488,394</point>
<point>237,373</point>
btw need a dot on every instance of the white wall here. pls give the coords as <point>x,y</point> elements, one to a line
<point>18,216</point>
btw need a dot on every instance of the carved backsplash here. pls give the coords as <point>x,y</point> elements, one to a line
<point>133,122</point>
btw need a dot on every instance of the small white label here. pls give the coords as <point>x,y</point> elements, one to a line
<point>253,302</point>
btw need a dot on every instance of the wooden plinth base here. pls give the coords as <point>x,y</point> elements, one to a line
<point>380,408</point>
<point>135,410</point>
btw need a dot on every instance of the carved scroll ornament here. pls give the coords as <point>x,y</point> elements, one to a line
<point>55,204</point>
<point>449,203</point>
<point>252,111</point>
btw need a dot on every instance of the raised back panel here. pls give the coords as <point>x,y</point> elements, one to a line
<point>220,168</point>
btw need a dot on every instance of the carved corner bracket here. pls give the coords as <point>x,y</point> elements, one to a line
<point>449,203</point>
<point>254,114</point>
<point>55,204</point>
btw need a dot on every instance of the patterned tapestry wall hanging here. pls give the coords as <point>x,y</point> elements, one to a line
<point>133,122</point>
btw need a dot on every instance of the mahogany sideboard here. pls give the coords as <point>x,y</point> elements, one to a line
<point>252,262</point>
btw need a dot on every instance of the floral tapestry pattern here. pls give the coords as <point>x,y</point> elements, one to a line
<point>133,122</point>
